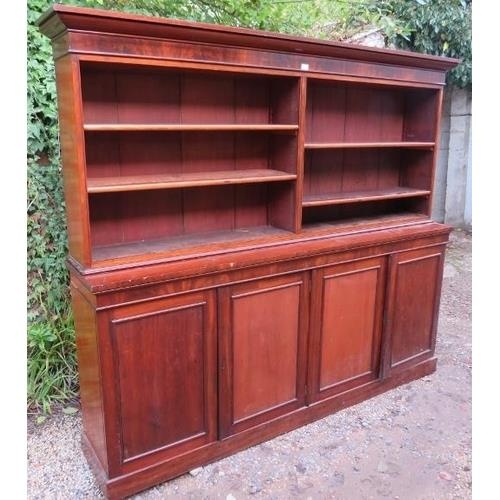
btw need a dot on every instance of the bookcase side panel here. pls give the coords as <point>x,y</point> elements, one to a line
<point>89,374</point>
<point>73,157</point>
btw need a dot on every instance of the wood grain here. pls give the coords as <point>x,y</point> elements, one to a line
<point>363,196</point>
<point>165,401</point>
<point>140,127</point>
<point>175,181</point>
<point>73,157</point>
<point>262,355</point>
<point>346,326</point>
<point>376,144</point>
<point>412,307</point>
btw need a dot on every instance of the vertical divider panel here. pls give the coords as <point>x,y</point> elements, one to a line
<point>299,190</point>
<point>387,322</point>
<point>225,368</point>
<point>283,208</point>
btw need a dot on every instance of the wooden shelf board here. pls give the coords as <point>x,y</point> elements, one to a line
<point>346,145</point>
<point>353,225</point>
<point>362,196</point>
<point>174,127</point>
<point>212,243</point>
<point>185,180</point>
<point>185,242</point>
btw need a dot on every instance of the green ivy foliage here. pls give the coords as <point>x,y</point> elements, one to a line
<point>50,378</point>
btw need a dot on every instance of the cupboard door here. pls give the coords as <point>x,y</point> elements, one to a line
<point>346,326</point>
<point>263,328</point>
<point>164,373</point>
<point>415,287</point>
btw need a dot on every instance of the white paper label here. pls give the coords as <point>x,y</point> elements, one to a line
<point>304,67</point>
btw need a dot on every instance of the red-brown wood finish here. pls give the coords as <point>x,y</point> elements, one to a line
<point>346,326</point>
<point>250,246</point>
<point>73,157</point>
<point>413,307</point>
<point>262,353</point>
<point>89,374</point>
<point>160,359</point>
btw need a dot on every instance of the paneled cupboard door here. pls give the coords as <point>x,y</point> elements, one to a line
<point>262,350</point>
<point>414,291</point>
<point>346,326</point>
<point>163,359</point>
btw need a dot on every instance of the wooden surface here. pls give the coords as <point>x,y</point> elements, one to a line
<point>61,17</point>
<point>134,482</point>
<point>235,135</point>
<point>164,398</point>
<point>262,373</point>
<point>72,154</point>
<point>413,306</point>
<point>127,127</point>
<point>250,245</point>
<point>352,145</point>
<point>175,181</point>
<point>89,375</point>
<point>347,311</point>
<point>361,196</point>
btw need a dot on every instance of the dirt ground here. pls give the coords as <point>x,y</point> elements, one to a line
<point>412,443</point>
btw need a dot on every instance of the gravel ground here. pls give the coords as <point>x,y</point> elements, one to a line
<point>411,443</point>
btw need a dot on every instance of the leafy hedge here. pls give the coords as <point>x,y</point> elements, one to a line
<point>437,27</point>
<point>425,25</point>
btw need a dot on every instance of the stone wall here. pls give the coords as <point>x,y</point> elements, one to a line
<point>452,202</point>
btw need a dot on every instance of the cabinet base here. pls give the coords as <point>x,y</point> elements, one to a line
<point>125,485</point>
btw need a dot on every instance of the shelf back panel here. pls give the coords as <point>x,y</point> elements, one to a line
<point>145,153</point>
<point>135,96</point>
<point>336,171</point>
<point>343,171</point>
<point>118,218</point>
<point>339,113</point>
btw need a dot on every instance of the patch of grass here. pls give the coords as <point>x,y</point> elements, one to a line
<point>52,368</point>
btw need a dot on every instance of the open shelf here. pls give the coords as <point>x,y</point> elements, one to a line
<point>351,177</point>
<point>363,196</point>
<point>132,220</point>
<point>346,145</point>
<point>364,223</point>
<point>343,115</point>
<point>181,180</point>
<point>198,127</point>
<point>128,98</point>
<point>185,242</point>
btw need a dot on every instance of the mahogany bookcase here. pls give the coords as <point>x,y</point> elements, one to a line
<point>250,241</point>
